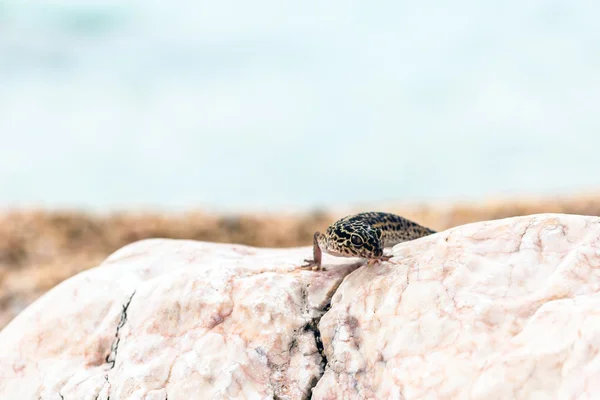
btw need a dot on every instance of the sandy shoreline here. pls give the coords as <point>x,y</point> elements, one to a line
<point>39,249</point>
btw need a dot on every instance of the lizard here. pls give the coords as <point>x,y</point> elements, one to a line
<point>364,235</point>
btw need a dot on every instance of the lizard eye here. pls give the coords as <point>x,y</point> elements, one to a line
<point>356,240</point>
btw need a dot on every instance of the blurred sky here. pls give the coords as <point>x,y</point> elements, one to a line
<point>269,104</point>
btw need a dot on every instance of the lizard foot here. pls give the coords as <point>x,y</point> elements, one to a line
<point>377,260</point>
<point>312,265</point>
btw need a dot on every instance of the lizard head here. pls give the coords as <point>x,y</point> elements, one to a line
<point>354,240</point>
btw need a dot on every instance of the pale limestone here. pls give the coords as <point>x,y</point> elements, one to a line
<point>494,310</point>
<point>182,319</point>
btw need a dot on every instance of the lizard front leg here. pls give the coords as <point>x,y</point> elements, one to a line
<point>315,263</point>
<point>373,261</point>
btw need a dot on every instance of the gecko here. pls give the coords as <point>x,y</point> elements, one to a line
<point>364,235</point>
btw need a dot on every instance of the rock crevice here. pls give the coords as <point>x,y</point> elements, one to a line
<point>111,358</point>
<point>313,327</point>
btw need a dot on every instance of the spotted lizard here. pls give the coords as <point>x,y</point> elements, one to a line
<point>364,235</point>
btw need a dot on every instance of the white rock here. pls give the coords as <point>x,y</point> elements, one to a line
<point>492,310</point>
<point>495,310</point>
<point>182,319</point>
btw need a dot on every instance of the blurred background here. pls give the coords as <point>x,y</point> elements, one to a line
<point>259,122</point>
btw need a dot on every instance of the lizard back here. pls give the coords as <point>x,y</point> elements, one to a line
<point>395,229</point>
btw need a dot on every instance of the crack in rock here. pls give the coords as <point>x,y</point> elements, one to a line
<point>100,391</point>
<point>313,326</point>
<point>111,358</point>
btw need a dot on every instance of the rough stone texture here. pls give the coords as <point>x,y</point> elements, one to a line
<point>493,310</point>
<point>172,318</point>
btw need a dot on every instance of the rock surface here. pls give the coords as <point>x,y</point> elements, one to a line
<point>174,319</point>
<point>492,310</point>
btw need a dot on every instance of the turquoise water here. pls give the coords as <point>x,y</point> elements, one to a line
<point>269,105</point>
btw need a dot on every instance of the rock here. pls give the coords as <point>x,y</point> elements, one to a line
<point>494,310</point>
<point>181,319</point>
<point>491,310</point>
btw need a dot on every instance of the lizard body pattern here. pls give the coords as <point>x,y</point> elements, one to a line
<point>364,235</point>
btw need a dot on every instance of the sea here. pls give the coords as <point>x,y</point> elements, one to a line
<point>272,105</point>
